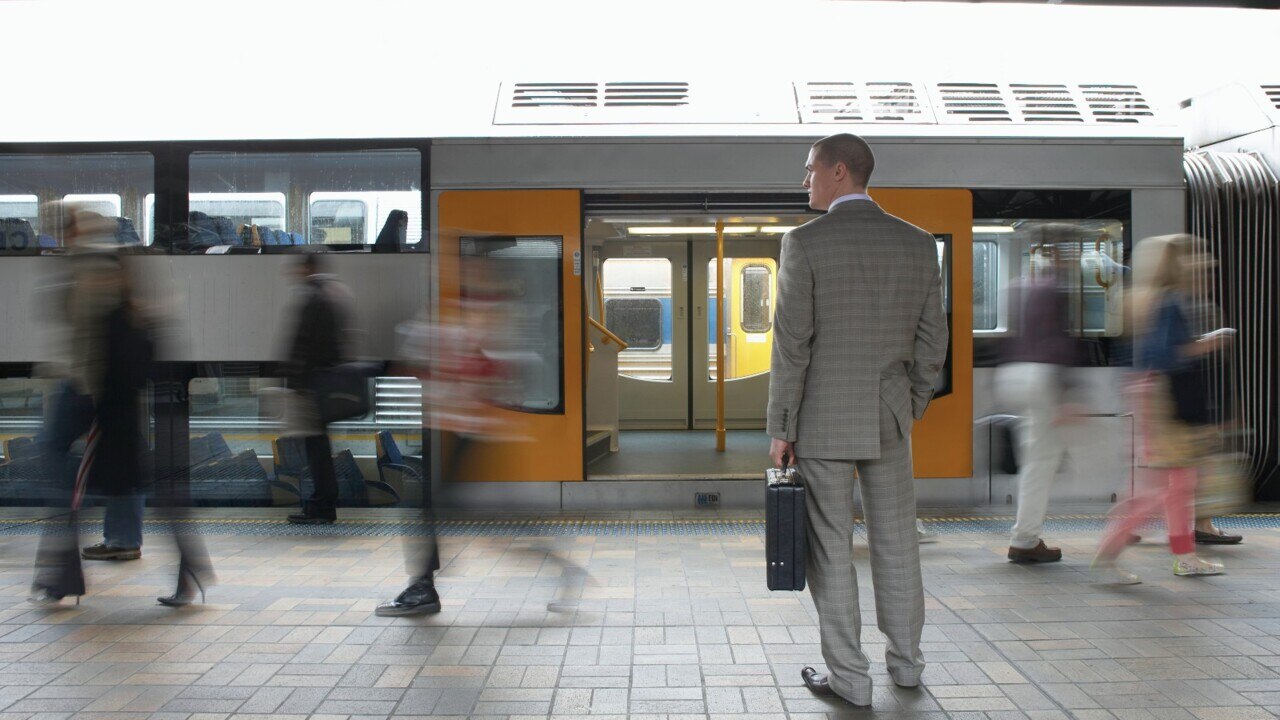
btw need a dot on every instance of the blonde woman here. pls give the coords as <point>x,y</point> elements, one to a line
<point>1172,413</point>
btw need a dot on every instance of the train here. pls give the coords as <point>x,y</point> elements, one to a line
<point>644,217</point>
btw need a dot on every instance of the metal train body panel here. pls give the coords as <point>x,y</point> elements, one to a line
<point>234,308</point>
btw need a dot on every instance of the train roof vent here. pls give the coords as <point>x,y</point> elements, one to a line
<point>1046,103</point>
<point>862,102</point>
<point>536,95</point>
<point>972,102</point>
<point>646,94</point>
<point>595,103</point>
<point>1273,95</point>
<point>1116,103</point>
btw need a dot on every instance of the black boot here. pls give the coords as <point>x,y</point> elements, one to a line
<point>314,513</point>
<point>420,598</point>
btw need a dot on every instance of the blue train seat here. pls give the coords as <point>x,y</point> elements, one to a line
<point>400,472</point>
<point>293,477</point>
<point>16,234</point>
<point>208,448</point>
<point>236,481</point>
<point>125,232</point>
<point>21,476</point>
<point>295,238</point>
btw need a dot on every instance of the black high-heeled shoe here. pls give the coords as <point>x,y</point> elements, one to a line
<point>184,596</point>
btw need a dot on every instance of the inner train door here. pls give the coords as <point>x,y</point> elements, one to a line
<point>750,271</point>
<point>646,302</point>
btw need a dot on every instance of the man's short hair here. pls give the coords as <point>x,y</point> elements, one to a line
<point>850,150</point>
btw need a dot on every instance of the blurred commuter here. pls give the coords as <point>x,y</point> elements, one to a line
<point>116,455</point>
<point>1174,420</point>
<point>461,387</point>
<point>321,340</point>
<point>860,337</point>
<point>1222,484</point>
<point>87,403</point>
<point>1035,382</point>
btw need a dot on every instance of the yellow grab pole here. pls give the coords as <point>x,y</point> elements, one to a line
<point>720,438</point>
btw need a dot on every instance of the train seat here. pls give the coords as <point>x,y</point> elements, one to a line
<point>126,234</point>
<point>21,482</point>
<point>295,238</point>
<point>232,481</point>
<point>208,448</point>
<point>16,234</point>
<point>400,472</point>
<point>294,481</point>
<point>394,230</point>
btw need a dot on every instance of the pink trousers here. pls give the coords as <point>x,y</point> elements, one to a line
<point>1168,442</point>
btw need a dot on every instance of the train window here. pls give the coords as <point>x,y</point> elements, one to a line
<point>986,284</point>
<point>638,321</point>
<point>35,189</point>
<point>757,299</point>
<point>351,198</point>
<point>637,308</point>
<point>1089,256</point>
<point>519,282</point>
<point>339,221</point>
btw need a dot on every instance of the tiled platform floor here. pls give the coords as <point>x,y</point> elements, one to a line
<point>639,626</point>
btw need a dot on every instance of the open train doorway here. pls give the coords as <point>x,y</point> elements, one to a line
<point>656,286</point>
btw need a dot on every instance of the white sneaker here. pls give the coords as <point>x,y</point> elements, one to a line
<point>924,536</point>
<point>1196,566</point>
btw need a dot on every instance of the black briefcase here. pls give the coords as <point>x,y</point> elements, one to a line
<point>786,542</point>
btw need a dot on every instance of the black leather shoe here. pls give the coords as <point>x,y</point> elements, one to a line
<point>817,682</point>
<point>1204,538</point>
<point>314,513</point>
<point>305,519</point>
<point>419,598</point>
<point>819,685</point>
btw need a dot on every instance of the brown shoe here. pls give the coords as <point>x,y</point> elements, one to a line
<point>1039,554</point>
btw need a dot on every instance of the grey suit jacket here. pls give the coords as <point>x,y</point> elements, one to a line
<point>859,330</point>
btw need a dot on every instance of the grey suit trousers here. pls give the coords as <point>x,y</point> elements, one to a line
<point>889,505</point>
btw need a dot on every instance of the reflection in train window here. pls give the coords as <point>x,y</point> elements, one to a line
<point>35,188</point>
<point>106,204</point>
<point>637,308</point>
<point>338,221</point>
<point>525,273</point>
<point>1090,268</point>
<point>334,198</point>
<point>986,283</point>
<point>757,300</point>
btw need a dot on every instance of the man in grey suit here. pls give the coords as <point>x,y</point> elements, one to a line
<point>859,339</point>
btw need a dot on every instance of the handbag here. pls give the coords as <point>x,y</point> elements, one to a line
<point>342,391</point>
<point>1222,486</point>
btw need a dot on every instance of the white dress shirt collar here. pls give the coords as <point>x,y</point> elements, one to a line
<point>846,198</point>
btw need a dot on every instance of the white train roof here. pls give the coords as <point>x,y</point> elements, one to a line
<point>135,70</point>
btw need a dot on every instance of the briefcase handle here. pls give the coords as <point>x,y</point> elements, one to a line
<point>776,476</point>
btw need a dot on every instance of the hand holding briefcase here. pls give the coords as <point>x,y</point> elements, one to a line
<point>786,536</point>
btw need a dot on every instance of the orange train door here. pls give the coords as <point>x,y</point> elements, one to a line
<point>538,231</point>
<point>942,443</point>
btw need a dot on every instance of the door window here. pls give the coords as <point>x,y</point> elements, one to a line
<point>637,308</point>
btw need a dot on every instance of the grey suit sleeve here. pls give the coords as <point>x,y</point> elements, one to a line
<point>792,340</point>
<point>931,343</point>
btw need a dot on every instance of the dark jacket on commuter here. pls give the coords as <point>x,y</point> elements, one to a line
<point>121,464</point>
<point>322,331</point>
